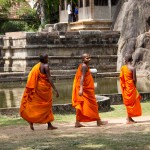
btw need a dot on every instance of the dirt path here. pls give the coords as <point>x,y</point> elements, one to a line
<point>21,137</point>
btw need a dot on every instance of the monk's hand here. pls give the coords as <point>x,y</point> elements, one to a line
<point>57,94</point>
<point>80,92</point>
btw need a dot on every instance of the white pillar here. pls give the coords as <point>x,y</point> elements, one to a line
<point>65,4</point>
<point>109,5</point>
<point>91,9</point>
<point>59,9</point>
<point>84,9</point>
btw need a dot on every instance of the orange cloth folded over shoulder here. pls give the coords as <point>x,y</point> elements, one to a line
<point>86,105</point>
<point>36,104</point>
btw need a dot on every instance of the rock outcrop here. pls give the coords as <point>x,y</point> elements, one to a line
<point>134,24</point>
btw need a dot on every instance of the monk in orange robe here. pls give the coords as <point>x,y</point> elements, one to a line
<point>36,104</point>
<point>83,95</point>
<point>131,97</point>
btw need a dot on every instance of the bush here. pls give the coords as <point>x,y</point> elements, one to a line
<point>13,26</point>
<point>27,13</point>
<point>28,21</point>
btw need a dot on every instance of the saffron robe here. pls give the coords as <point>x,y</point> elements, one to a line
<point>86,105</point>
<point>131,97</point>
<point>36,104</point>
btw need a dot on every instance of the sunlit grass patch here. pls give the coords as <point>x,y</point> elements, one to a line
<point>92,146</point>
<point>5,121</point>
<point>117,111</point>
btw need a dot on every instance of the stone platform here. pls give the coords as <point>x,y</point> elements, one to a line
<point>102,25</point>
<point>20,50</point>
<point>56,75</point>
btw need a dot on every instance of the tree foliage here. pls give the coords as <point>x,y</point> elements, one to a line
<point>5,6</point>
<point>27,21</point>
<point>45,11</point>
<point>51,10</point>
<point>48,10</point>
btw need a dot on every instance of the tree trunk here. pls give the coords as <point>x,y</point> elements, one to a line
<point>42,8</point>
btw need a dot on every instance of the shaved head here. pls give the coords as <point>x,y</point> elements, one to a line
<point>128,58</point>
<point>42,57</point>
<point>84,55</point>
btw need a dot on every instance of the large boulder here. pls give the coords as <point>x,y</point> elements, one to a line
<point>141,55</point>
<point>133,22</point>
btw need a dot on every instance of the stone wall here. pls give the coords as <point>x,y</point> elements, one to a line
<point>116,99</point>
<point>21,49</point>
<point>1,53</point>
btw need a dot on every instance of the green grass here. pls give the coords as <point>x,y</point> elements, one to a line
<point>117,111</point>
<point>6,121</point>
<point>114,136</point>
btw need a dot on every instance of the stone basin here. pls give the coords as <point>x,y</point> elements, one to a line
<point>103,103</point>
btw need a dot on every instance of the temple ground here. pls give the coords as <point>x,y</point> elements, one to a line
<point>116,135</point>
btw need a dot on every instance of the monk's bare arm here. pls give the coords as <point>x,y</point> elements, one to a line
<point>134,76</point>
<point>47,71</point>
<point>83,70</point>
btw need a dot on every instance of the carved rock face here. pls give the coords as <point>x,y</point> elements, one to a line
<point>141,56</point>
<point>134,26</point>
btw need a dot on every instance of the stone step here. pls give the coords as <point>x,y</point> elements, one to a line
<point>100,62</point>
<point>108,74</point>
<point>90,28</point>
<point>102,25</point>
<point>64,69</point>
<point>61,74</point>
